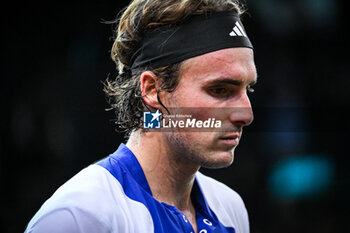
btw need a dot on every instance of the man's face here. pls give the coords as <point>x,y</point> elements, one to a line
<point>219,80</point>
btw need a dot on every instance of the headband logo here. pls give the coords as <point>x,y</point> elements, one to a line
<point>238,30</point>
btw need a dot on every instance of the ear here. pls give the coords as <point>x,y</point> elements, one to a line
<point>149,86</point>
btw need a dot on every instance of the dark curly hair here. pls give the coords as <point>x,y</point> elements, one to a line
<point>141,16</point>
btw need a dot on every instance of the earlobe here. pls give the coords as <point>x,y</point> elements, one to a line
<point>149,86</point>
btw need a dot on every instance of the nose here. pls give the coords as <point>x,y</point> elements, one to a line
<point>242,113</point>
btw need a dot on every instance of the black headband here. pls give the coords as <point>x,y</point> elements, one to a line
<point>199,35</point>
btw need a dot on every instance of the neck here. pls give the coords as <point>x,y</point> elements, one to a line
<point>169,175</point>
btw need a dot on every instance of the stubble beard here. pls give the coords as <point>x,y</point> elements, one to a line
<point>183,149</point>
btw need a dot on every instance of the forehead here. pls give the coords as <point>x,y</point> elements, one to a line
<point>235,63</point>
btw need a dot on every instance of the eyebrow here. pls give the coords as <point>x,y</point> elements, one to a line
<point>224,80</point>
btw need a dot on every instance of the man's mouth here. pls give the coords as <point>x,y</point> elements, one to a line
<point>231,139</point>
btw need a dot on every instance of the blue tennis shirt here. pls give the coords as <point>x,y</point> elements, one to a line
<point>113,195</point>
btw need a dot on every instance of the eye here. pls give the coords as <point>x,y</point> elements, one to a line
<point>219,91</point>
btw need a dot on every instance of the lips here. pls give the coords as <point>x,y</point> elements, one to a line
<point>231,136</point>
<point>230,139</point>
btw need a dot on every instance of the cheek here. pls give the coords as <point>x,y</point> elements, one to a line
<point>203,141</point>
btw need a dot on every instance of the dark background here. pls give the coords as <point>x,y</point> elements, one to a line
<point>291,167</point>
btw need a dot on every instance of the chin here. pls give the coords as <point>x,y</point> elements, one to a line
<point>220,160</point>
